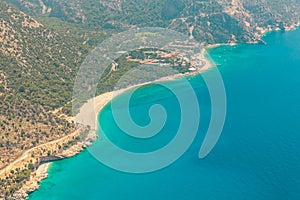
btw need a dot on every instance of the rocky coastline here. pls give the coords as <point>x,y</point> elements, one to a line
<point>44,163</point>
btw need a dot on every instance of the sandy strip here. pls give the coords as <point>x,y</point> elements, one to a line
<point>102,100</point>
<point>89,111</point>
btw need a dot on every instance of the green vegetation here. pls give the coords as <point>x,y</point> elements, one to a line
<point>37,63</point>
<point>219,21</point>
<point>83,35</point>
<point>14,182</point>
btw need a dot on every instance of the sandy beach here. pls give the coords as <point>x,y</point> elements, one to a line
<point>89,111</point>
<point>102,100</point>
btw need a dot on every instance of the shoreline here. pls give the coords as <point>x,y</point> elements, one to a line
<point>41,170</point>
<point>89,111</point>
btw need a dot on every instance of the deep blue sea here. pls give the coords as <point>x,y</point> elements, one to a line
<point>257,156</point>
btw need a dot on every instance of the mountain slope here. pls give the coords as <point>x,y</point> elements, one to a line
<point>37,67</point>
<point>218,21</point>
<point>44,62</point>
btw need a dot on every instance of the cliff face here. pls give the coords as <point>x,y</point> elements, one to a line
<point>209,21</point>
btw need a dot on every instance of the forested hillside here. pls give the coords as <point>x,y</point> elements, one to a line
<point>37,67</point>
<point>209,21</point>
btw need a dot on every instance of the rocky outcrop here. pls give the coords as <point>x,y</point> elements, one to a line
<point>47,159</point>
<point>41,172</point>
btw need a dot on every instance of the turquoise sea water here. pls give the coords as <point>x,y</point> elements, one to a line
<point>257,156</point>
